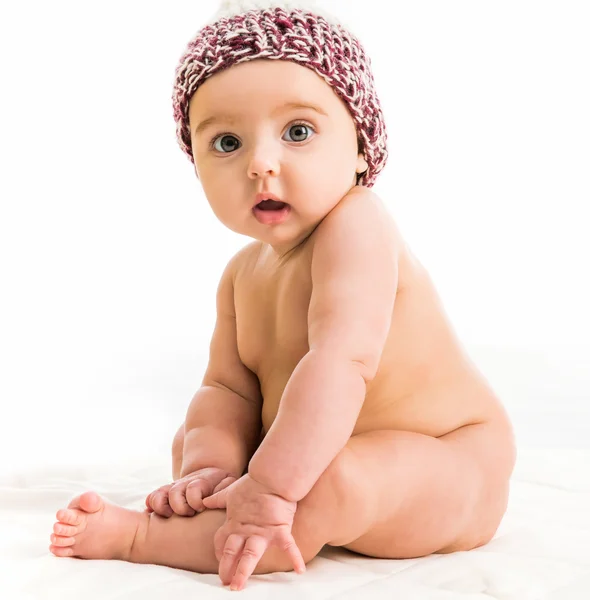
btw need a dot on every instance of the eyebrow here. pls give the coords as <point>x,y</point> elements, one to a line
<point>223,117</point>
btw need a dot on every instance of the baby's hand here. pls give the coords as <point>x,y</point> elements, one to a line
<point>185,496</point>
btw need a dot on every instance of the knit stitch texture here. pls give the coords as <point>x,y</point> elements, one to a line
<point>263,29</point>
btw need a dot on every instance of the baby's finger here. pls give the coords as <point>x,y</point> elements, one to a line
<point>160,504</point>
<point>223,484</point>
<point>230,555</point>
<point>149,499</point>
<point>290,547</point>
<point>195,491</point>
<point>178,502</point>
<point>148,504</point>
<point>253,550</point>
<point>217,500</point>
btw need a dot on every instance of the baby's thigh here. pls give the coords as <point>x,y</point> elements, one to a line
<point>422,495</point>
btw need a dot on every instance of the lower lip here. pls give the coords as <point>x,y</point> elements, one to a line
<point>271,217</point>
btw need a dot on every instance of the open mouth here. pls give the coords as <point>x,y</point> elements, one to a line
<point>271,212</point>
<point>271,205</point>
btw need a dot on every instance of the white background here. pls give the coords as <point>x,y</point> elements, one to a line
<point>110,255</point>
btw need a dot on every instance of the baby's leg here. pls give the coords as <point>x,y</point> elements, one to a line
<point>95,529</point>
<point>422,495</point>
<point>390,494</point>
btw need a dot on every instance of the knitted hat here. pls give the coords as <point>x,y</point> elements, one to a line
<point>294,30</point>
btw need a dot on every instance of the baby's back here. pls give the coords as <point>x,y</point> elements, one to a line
<point>425,382</point>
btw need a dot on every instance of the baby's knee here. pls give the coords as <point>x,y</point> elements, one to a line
<point>336,506</point>
<point>178,441</point>
<point>343,487</point>
<point>334,485</point>
<point>339,504</point>
<point>177,449</point>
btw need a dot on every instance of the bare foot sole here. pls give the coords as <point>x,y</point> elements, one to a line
<point>93,528</point>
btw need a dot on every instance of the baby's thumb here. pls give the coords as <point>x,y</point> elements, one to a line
<point>217,500</point>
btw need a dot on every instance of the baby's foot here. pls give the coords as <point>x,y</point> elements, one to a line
<point>91,527</point>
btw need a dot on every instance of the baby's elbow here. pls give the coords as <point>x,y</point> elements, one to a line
<point>366,352</point>
<point>351,350</point>
<point>367,366</point>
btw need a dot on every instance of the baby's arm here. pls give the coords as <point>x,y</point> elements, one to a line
<point>354,276</point>
<point>223,421</point>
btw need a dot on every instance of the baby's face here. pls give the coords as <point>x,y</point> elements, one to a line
<point>258,143</point>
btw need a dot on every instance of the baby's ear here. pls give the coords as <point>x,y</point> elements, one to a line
<point>361,163</point>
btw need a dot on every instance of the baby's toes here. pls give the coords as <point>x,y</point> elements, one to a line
<point>89,502</point>
<point>61,551</point>
<point>65,530</point>
<point>70,516</point>
<point>62,541</point>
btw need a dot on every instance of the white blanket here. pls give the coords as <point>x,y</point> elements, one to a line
<point>540,550</point>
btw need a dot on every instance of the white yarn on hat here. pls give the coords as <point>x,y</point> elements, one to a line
<point>231,8</point>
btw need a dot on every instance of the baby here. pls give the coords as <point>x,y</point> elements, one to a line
<point>338,406</point>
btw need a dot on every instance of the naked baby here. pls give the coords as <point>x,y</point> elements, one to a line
<point>338,406</point>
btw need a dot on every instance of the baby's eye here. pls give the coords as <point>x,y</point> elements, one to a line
<point>220,138</point>
<point>299,130</point>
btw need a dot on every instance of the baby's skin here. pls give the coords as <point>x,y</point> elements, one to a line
<point>374,429</point>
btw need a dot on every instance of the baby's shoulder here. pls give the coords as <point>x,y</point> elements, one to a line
<point>359,214</point>
<point>243,259</point>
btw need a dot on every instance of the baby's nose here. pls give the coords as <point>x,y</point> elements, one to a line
<point>264,163</point>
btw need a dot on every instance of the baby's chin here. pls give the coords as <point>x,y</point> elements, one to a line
<point>283,233</point>
<point>283,237</point>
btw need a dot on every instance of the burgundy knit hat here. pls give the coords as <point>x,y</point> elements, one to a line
<point>295,30</point>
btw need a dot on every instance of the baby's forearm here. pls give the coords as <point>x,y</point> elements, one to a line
<point>316,417</point>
